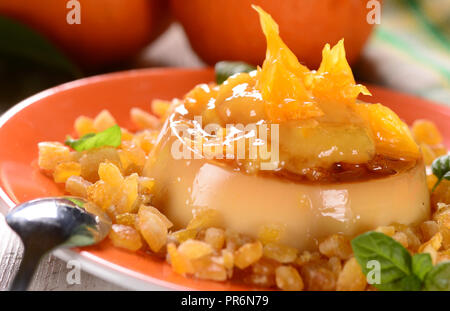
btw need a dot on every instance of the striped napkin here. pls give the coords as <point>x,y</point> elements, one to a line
<point>410,49</point>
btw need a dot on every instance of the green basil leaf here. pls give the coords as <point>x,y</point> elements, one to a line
<point>76,201</point>
<point>421,265</point>
<point>446,176</point>
<point>109,137</point>
<point>18,41</point>
<point>394,259</point>
<point>226,69</point>
<point>441,168</point>
<point>438,279</point>
<point>408,283</point>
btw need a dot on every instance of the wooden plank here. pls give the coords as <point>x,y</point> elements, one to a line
<point>51,274</point>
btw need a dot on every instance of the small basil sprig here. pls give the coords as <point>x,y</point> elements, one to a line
<point>393,258</point>
<point>77,202</point>
<point>226,69</point>
<point>110,137</point>
<point>438,279</point>
<point>398,269</point>
<point>421,265</point>
<point>441,168</point>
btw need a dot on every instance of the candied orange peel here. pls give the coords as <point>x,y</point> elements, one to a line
<point>280,80</point>
<point>392,135</point>
<point>334,79</point>
<point>290,89</point>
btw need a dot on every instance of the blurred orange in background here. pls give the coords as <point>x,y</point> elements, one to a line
<point>110,30</point>
<point>229,29</point>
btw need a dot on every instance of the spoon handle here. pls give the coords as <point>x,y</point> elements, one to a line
<point>29,263</point>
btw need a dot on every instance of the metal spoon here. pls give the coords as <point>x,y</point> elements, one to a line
<point>47,223</point>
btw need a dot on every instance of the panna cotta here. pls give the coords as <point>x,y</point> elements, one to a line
<point>304,212</point>
<point>289,148</point>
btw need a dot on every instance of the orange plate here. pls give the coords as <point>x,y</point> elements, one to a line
<point>49,116</point>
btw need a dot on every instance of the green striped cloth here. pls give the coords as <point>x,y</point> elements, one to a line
<point>410,49</point>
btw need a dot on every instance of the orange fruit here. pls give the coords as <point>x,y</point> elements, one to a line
<point>229,29</point>
<point>110,30</point>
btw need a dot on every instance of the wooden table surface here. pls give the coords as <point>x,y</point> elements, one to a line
<point>172,49</point>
